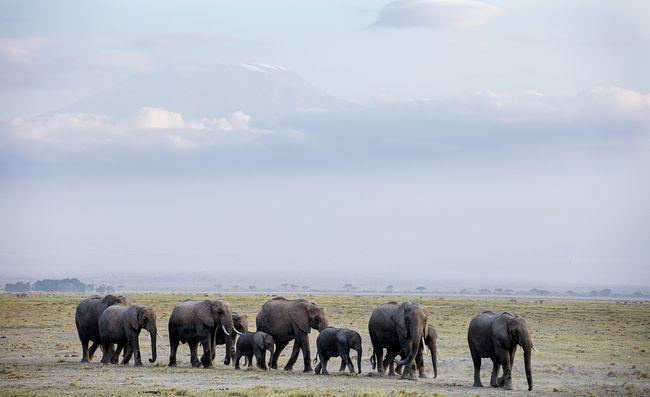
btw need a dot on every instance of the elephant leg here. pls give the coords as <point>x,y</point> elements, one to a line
<point>343,365</point>
<point>504,358</point>
<point>389,361</point>
<point>250,360</point>
<point>323,363</point>
<point>294,355</point>
<point>477,368</point>
<point>419,362</point>
<point>173,349</point>
<point>108,352</point>
<point>193,344</point>
<point>263,363</point>
<point>379,358</point>
<point>494,380</point>
<point>344,353</point>
<point>306,352</point>
<point>213,349</point>
<point>279,346</point>
<point>135,348</point>
<point>85,357</point>
<point>92,350</point>
<point>206,360</point>
<point>237,358</point>
<point>118,350</point>
<point>318,368</point>
<point>127,354</point>
<point>259,360</point>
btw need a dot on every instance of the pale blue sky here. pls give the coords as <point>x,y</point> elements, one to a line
<point>465,139</point>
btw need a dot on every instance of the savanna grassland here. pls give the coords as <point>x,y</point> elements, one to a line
<point>586,348</point>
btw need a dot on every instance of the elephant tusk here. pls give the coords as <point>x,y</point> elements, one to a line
<point>235,329</point>
<point>536,349</point>
<point>224,330</point>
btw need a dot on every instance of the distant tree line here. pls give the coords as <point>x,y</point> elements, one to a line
<point>60,285</point>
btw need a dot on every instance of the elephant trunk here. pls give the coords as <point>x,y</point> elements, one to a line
<point>153,346</point>
<point>527,347</point>
<point>271,352</point>
<point>434,359</point>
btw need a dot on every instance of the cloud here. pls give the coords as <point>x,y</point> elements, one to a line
<point>617,102</point>
<point>436,14</point>
<point>151,127</point>
<point>22,49</point>
<point>159,118</point>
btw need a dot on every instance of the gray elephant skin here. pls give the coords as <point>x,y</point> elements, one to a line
<point>337,342</point>
<point>396,327</point>
<point>430,341</point>
<point>87,320</point>
<point>121,325</point>
<point>240,322</point>
<point>255,343</point>
<point>286,320</point>
<point>496,336</point>
<point>192,322</point>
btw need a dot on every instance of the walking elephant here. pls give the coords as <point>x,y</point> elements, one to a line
<point>255,343</point>
<point>396,327</point>
<point>87,320</point>
<point>121,325</point>
<point>286,320</point>
<point>240,323</point>
<point>192,322</point>
<point>430,341</point>
<point>496,336</point>
<point>337,342</point>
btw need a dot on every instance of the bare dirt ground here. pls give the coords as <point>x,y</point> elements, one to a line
<point>587,348</point>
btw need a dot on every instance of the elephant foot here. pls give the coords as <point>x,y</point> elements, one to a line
<point>84,361</point>
<point>477,384</point>
<point>507,386</point>
<point>324,372</point>
<point>422,374</point>
<point>226,362</point>
<point>391,374</point>
<point>308,370</point>
<point>137,365</point>
<point>499,382</point>
<point>288,368</point>
<point>172,364</point>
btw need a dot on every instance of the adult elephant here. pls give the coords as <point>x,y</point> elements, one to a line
<point>121,325</point>
<point>396,327</point>
<point>192,322</point>
<point>496,336</point>
<point>240,323</point>
<point>87,320</point>
<point>430,341</point>
<point>286,320</point>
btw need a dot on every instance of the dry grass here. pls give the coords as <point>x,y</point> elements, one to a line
<point>598,347</point>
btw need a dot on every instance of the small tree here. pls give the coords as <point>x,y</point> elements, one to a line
<point>390,289</point>
<point>421,289</point>
<point>252,288</point>
<point>349,287</point>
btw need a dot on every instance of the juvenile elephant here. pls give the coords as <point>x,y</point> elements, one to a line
<point>430,340</point>
<point>87,320</point>
<point>240,322</point>
<point>287,320</point>
<point>496,336</point>
<point>121,325</point>
<point>337,342</point>
<point>255,343</point>
<point>397,327</point>
<point>192,322</point>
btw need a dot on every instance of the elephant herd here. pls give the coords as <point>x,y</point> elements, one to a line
<point>395,330</point>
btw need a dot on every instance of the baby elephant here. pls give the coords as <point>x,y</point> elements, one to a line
<point>121,325</point>
<point>337,342</point>
<point>256,343</point>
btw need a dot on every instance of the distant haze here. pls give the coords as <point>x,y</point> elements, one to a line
<point>407,143</point>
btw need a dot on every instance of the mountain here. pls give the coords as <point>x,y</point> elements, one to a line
<point>266,92</point>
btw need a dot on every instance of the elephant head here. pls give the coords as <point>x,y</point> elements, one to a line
<point>306,315</point>
<point>139,317</point>
<point>519,334</point>
<point>110,300</point>
<point>240,322</point>
<point>354,342</point>
<point>218,314</point>
<point>430,341</point>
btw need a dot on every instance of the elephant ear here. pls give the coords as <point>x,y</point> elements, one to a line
<point>258,339</point>
<point>204,313</point>
<point>501,330</point>
<point>300,317</point>
<point>399,318</point>
<point>132,317</point>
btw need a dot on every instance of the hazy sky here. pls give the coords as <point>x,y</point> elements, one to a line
<point>494,141</point>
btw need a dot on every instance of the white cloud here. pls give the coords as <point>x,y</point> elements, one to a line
<point>152,127</point>
<point>617,102</point>
<point>436,14</point>
<point>159,118</point>
<point>22,49</point>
